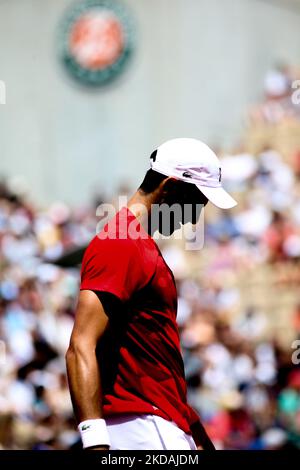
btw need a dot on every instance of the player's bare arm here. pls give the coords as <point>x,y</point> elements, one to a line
<point>82,366</point>
<point>132,394</point>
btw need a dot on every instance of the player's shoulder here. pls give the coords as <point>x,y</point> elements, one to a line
<point>121,237</point>
<point>101,244</point>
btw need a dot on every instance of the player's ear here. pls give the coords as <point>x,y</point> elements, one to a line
<point>169,184</point>
<point>168,189</point>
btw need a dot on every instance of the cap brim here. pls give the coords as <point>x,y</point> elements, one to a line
<point>218,196</point>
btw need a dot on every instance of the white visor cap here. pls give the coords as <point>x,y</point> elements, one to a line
<point>192,161</point>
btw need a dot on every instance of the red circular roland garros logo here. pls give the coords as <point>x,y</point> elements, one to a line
<point>96,40</point>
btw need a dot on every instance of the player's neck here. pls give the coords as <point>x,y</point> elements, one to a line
<point>140,205</point>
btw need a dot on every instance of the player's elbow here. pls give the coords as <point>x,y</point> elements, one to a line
<point>70,353</point>
<point>79,348</point>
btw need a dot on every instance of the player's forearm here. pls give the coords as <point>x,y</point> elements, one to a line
<point>84,382</point>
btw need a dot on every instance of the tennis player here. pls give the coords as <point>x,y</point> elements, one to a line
<point>125,370</point>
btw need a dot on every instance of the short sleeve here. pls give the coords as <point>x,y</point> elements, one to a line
<point>120,267</point>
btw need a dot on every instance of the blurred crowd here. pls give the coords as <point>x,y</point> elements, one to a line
<point>242,378</point>
<point>281,96</point>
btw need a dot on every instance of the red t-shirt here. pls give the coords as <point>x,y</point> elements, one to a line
<point>140,360</point>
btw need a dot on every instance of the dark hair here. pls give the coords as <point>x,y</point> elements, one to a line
<point>151,181</point>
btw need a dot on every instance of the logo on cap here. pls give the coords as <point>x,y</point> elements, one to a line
<point>187,174</point>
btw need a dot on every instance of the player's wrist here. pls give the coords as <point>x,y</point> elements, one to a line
<point>94,433</point>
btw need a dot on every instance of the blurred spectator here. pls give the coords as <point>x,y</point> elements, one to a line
<point>240,378</point>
